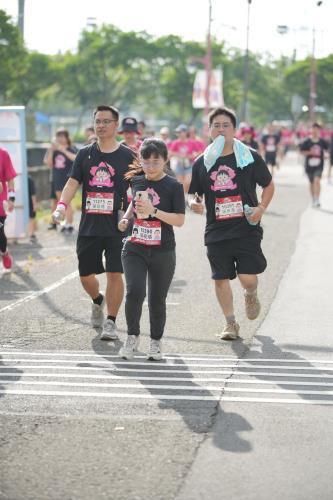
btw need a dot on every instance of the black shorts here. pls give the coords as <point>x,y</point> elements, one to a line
<point>90,251</point>
<point>53,195</point>
<point>314,172</point>
<point>228,258</point>
<point>270,159</point>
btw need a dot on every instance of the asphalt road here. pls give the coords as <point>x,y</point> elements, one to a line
<point>76,422</point>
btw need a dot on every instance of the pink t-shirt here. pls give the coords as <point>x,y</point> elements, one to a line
<point>198,146</point>
<point>7,172</point>
<point>182,148</point>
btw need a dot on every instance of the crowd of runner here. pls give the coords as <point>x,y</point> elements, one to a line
<point>134,190</point>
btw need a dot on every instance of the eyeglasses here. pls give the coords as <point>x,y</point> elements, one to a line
<point>104,122</point>
<point>220,125</point>
<point>154,164</point>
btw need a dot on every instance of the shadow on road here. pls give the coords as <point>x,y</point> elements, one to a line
<point>3,378</point>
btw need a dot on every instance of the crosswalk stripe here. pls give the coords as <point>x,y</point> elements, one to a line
<point>164,397</point>
<point>171,379</point>
<point>154,370</point>
<point>172,387</point>
<point>169,365</point>
<point>177,357</point>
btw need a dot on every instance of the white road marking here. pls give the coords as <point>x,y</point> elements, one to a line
<point>187,357</point>
<point>35,295</point>
<point>170,370</point>
<point>171,387</point>
<point>147,363</point>
<point>164,397</point>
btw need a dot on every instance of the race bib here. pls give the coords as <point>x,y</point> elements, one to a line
<point>147,232</point>
<point>99,203</point>
<point>314,162</point>
<point>228,208</point>
<point>270,148</point>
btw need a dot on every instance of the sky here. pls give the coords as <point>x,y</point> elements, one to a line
<point>53,26</point>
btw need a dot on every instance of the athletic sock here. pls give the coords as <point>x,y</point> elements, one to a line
<point>230,319</point>
<point>113,318</point>
<point>98,300</point>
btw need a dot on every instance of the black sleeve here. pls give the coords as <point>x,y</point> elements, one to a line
<point>178,200</point>
<point>325,145</point>
<point>196,184</point>
<point>305,146</point>
<point>262,174</point>
<point>77,171</point>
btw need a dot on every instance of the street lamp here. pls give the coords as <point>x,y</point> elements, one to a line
<point>246,67</point>
<point>313,74</point>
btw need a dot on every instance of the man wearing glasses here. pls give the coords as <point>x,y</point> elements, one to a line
<point>100,168</point>
<point>233,240</point>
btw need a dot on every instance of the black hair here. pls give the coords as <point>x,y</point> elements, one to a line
<point>153,147</point>
<point>65,133</point>
<point>104,107</point>
<point>222,111</point>
<point>316,124</point>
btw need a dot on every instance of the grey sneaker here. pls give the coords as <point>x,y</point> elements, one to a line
<point>97,315</point>
<point>230,331</point>
<point>252,305</point>
<point>130,346</point>
<point>109,330</point>
<point>155,350</point>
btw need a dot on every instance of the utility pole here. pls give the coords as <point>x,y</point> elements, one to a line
<point>313,75</point>
<point>244,109</point>
<point>208,63</point>
<point>20,21</point>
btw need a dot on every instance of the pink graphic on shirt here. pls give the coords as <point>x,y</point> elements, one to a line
<point>223,179</point>
<point>59,161</point>
<point>315,150</point>
<point>101,175</point>
<point>153,196</point>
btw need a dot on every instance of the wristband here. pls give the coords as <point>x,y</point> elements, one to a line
<point>11,196</point>
<point>62,203</point>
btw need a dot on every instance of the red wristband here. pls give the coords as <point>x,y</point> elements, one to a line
<point>62,203</point>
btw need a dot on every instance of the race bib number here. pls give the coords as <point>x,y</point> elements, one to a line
<point>314,162</point>
<point>99,203</point>
<point>228,208</point>
<point>147,232</point>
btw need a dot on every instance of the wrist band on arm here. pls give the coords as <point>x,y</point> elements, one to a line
<point>62,203</point>
<point>11,195</point>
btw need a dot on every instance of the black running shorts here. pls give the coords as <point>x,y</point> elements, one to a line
<point>90,251</point>
<point>314,172</point>
<point>228,258</point>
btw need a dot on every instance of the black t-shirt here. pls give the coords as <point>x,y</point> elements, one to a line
<point>167,195</point>
<point>61,165</point>
<point>226,189</point>
<point>103,188</point>
<point>316,159</point>
<point>270,142</point>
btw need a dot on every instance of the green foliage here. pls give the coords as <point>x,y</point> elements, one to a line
<point>150,76</point>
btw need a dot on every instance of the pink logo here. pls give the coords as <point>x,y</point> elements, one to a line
<point>153,196</point>
<point>59,161</point>
<point>101,175</point>
<point>223,179</point>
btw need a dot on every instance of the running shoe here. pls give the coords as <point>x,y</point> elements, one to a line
<point>97,314</point>
<point>33,238</point>
<point>52,227</point>
<point>155,350</point>
<point>7,261</point>
<point>109,330</point>
<point>230,331</point>
<point>252,305</point>
<point>130,346</point>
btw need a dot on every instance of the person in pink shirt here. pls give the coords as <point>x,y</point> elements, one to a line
<point>7,201</point>
<point>181,155</point>
<point>198,144</point>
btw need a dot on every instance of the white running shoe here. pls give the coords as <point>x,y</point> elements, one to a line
<point>97,315</point>
<point>110,331</point>
<point>155,350</point>
<point>130,346</point>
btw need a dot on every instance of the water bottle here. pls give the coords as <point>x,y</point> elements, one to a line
<point>248,212</point>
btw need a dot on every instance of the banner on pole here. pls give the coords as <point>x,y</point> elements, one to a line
<point>215,89</point>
